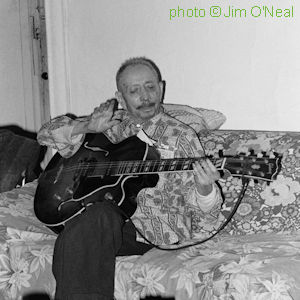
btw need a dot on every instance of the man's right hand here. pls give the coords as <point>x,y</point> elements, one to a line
<point>101,119</point>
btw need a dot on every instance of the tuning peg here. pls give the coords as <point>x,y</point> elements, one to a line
<point>264,153</point>
<point>221,154</point>
<point>272,154</point>
<point>252,153</point>
<point>259,155</point>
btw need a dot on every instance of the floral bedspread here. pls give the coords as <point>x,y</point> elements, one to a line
<point>257,256</point>
<point>263,266</point>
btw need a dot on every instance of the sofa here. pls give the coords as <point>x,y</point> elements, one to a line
<point>20,157</point>
<point>256,256</point>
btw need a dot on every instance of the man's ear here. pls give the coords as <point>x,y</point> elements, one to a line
<point>162,86</point>
<point>120,99</point>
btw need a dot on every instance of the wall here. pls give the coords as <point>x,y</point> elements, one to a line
<point>19,93</point>
<point>11,79</point>
<point>247,67</point>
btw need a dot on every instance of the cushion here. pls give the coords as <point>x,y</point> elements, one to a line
<point>198,118</point>
<point>19,158</point>
<point>265,208</point>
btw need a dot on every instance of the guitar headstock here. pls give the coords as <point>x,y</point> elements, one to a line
<point>259,168</point>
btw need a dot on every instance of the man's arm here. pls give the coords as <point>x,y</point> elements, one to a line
<point>205,195</point>
<point>204,199</point>
<point>66,135</point>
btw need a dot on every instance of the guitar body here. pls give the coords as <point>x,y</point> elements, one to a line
<point>103,171</point>
<point>67,185</point>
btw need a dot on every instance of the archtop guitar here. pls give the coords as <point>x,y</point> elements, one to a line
<point>117,172</point>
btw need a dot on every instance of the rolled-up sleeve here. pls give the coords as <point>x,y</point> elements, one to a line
<point>205,210</point>
<point>190,146</point>
<point>57,134</point>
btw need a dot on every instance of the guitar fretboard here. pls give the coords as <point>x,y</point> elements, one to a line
<point>149,166</point>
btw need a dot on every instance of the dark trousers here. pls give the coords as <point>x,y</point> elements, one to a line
<point>85,251</point>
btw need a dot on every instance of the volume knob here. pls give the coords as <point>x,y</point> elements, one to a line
<point>108,196</point>
<point>57,197</point>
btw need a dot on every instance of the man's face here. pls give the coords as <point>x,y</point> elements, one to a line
<point>140,92</point>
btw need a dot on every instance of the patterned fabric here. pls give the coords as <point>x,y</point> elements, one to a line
<point>265,208</point>
<point>196,117</point>
<point>50,134</point>
<point>256,267</point>
<point>234,265</point>
<point>26,246</point>
<point>164,212</point>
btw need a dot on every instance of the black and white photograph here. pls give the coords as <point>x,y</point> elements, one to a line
<point>150,150</point>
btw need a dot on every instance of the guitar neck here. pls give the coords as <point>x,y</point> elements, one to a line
<point>138,167</point>
<point>264,168</point>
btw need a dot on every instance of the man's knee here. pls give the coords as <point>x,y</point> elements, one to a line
<point>104,212</point>
<point>97,217</point>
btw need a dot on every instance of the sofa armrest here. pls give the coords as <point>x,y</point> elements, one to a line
<point>19,159</point>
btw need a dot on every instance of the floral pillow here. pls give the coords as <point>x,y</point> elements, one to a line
<point>265,208</point>
<point>198,118</point>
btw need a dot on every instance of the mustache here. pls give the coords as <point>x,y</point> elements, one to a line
<point>146,105</point>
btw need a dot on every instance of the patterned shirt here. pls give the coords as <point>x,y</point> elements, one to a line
<point>165,212</point>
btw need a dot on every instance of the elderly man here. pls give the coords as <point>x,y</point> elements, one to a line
<point>85,251</point>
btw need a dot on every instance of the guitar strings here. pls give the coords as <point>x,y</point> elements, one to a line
<point>131,163</point>
<point>180,162</point>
